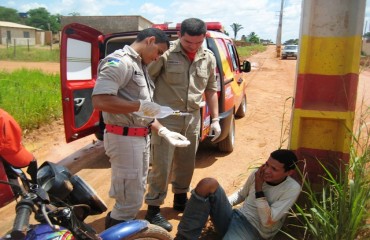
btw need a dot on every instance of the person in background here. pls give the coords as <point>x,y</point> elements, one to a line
<point>122,88</point>
<point>181,75</point>
<point>13,153</point>
<point>11,147</point>
<point>266,197</point>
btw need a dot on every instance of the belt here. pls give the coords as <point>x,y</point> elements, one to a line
<point>128,131</point>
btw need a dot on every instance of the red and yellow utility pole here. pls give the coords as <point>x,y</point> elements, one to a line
<point>326,84</point>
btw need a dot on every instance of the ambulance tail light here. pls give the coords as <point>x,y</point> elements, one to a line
<point>214,26</point>
<point>162,26</point>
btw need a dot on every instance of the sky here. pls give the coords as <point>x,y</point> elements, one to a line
<point>258,16</point>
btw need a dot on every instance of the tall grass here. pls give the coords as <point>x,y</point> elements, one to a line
<point>31,97</point>
<point>340,210</point>
<point>32,54</point>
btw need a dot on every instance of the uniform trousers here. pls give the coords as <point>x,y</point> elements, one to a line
<point>171,164</point>
<point>129,158</point>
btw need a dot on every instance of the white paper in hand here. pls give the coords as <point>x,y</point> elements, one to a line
<point>165,112</point>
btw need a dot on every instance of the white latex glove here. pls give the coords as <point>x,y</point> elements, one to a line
<point>149,109</point>
<point>174,138</point>
<point>215,128</point>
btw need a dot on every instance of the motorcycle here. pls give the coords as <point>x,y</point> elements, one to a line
<point>60,202</point>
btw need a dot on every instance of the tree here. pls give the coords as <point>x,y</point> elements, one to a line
<point>291,42</point>
<point>9,15</point>
<point>253,38</point>
<point>236,27</point>
<point>41,18</point>
<point>74,14</point>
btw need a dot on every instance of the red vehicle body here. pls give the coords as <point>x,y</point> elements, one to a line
<point>82,48</point>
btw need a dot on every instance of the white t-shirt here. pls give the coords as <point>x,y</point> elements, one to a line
<point>266,214</point>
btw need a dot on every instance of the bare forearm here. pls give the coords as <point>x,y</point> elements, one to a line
<point>114,104</point>
<point>212,102</point>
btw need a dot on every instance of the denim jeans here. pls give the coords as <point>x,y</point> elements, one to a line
<point>229,223</point>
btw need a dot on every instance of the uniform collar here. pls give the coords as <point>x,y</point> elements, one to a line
<point>177,48</point>
<point>130,51</point>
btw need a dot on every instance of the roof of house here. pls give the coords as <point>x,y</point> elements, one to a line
<point>16,25</point>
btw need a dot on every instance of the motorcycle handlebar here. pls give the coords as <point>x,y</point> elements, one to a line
<point>22,218</point>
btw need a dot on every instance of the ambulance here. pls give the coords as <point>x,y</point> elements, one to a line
<point>82,47</point>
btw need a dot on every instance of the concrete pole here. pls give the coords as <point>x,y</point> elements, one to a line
<point>278,35</point>
<point>326,85</point>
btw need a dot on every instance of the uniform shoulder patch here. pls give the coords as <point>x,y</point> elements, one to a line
<point>112,62</point>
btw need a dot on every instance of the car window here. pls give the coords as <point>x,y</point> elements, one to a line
<point>227,66</point>
<point>291,47</point>
<point>232,55</point>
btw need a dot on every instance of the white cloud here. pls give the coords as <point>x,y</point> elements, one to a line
<point>150,8</point>
<point>83,7</point>
<point>260,16</point>
<point>33,5</point>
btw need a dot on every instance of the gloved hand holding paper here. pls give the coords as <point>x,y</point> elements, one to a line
<point>174,138</point>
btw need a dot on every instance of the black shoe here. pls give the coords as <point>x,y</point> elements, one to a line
<point>154,216</point>
<point>179,201</point>
<point>109,222</point>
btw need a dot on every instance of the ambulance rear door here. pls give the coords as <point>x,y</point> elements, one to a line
<point>79,58</point>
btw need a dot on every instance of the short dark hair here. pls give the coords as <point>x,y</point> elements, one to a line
<point>193,27</point>
<point>160,36</point>
<point>286,157</point>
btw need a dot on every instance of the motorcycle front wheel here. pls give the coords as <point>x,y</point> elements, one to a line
<point>152,232</point>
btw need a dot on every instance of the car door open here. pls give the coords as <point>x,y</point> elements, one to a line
<point>79,58</point>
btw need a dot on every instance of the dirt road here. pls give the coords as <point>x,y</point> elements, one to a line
<point>263,129</point>
<point>48,67</point>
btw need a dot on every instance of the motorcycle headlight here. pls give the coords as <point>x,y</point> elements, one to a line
<point>55,179</point>
<point>83,193</point>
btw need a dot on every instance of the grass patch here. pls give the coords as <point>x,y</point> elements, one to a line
<point>31,54</point>
<point>31,97</point>
<point>247,51</point>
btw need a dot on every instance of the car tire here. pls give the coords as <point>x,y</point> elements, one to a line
<point>240,113</point>
<point>227,145</point>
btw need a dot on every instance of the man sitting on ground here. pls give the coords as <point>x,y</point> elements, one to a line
<point>267,196</point>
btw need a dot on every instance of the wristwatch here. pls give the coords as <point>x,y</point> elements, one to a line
<point>260,194</point>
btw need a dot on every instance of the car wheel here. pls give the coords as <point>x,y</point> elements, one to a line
<point>240,113</point>
<point>227,145</point>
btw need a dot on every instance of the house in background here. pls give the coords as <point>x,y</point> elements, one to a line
<point>18,34</point>
<point>109,24</point>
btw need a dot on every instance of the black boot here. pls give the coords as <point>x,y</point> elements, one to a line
<point>154,216</point>
<point>109,222</point>
<point>179,201</point>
